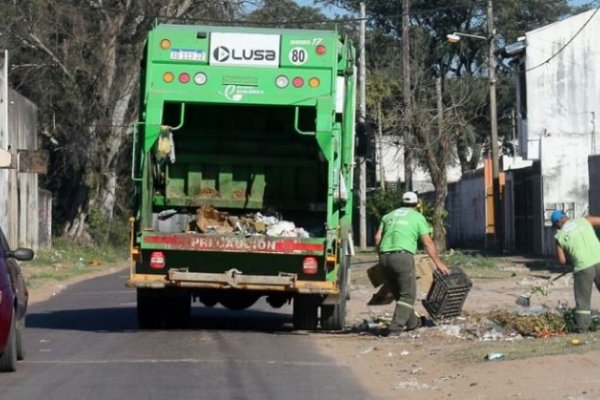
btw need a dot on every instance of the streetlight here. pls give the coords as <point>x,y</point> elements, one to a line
<point>453,38</point>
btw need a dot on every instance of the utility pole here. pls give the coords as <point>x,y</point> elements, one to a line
<point>408,169</point>
<point>380,146</point>
<point>362,118</point>
<point>498,214</point>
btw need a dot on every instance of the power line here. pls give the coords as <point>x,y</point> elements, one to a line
<point>567,43</point>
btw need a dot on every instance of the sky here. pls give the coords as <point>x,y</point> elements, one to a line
<point>330,11</point>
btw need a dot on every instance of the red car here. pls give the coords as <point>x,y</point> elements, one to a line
<point>13,305</point>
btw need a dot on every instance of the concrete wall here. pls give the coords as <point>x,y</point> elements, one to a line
<point>563,103</point>
<point>466,202</point>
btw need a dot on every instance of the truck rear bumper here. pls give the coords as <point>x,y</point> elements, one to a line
<point>232,279</point>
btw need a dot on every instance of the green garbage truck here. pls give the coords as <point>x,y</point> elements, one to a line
<point>243,167</point>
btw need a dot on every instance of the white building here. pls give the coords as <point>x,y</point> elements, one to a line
<point>560,114</point>
<point>392,160</point>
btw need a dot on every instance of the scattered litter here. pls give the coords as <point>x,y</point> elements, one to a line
<point>496,333</point>
<point>494,356</point>
<point>416,371</point>
<point>576,342</point>
<point>390,354</point>
<point>451,330</point>
<point>412,385</point>
<point>449,377</point>
<point>524,300</point>
<point>404,353</point>
<point>368,350</point>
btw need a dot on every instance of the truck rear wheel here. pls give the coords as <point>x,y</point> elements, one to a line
<point>333,316</point>
<point>149,313</point>
<point>178,311</point>
<point>306,309</point>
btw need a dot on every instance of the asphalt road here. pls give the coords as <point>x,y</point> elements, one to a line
<point>84,344</point>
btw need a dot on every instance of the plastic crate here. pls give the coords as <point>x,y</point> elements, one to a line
<point>447,294</point>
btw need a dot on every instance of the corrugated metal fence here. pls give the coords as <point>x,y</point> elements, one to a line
<point>594,174</point>
<point>18,190</point>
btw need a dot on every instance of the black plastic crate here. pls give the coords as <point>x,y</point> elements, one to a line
<point>447,293</point>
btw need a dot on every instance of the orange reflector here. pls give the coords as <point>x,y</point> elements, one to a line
<point>331,258</point>
<point>320,50</point>
<point>310,265</point>
<point>165,44</point>
<point>157,260</point>
<point>184,77</point>
<point>135,253</point>
<point>298,82</point>
<point>314,82</point>
<point>168,77</point>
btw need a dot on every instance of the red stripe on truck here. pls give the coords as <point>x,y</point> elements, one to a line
<point>235,244</point>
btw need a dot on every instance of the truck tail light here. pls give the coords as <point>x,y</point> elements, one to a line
<point>297,82</point>
<point>321,49</point>
<point>157,260</point>
<point>310,265</point>
<point>184,77</point>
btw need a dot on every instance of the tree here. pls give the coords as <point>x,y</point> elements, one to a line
<point>287,14</point>
<point>80,62</point>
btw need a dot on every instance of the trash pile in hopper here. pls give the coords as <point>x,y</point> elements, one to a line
<point>210,220</point>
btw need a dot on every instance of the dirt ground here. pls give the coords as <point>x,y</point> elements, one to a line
<point>420,364</point>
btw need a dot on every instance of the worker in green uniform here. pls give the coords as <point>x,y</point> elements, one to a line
<point>396,240</point>
<point>577,240</point>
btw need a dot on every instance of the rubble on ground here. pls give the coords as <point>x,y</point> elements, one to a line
<point>538,322</point>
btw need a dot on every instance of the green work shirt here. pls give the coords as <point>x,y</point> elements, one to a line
<point>578,239</point>
<point>401,230</point>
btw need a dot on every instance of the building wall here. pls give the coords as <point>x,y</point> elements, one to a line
<point>563,106</point>
<point>392,153</point>
<point>18,190</point>
<point>563,103</point>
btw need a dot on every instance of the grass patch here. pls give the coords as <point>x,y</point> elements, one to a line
<point>527,348</point>
<point>472,259</point>
<point>66,260</point>
<point>478,265</point>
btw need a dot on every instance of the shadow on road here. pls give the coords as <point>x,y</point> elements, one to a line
<point>125,319</point>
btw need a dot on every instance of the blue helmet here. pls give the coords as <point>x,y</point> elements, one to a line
<point>556,216</point>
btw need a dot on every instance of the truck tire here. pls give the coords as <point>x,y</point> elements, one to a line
<point>8,360</point>
<point>149,311</point>
<point>178,311</point>
<point>306,309</point>
<point>333,316</point>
